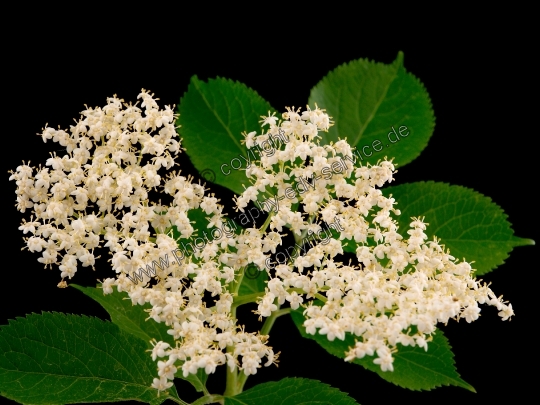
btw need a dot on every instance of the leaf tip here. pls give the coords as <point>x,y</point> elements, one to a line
<point>468,387</point>
<point>399,59</point>
<point>523,241</point>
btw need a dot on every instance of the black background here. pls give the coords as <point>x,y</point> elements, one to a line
<point>477,70</point>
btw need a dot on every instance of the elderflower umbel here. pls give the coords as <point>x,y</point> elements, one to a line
<point>100,189</point>
<point>75,197</point>
<point>396,293</point>
<point>399,290</point>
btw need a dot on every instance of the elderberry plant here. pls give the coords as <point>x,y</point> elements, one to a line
<point>369,275</point>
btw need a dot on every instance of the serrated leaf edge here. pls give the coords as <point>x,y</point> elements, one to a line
<point>518,241</point>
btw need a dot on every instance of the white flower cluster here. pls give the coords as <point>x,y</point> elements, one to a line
<point>400,289</point>
<point>129,146</point>
<point>202,333</point>
<point>108,180</point>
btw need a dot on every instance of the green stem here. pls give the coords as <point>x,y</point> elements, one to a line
<point>300,238</point>
<point>236,286</point>
<point>209,399</point>
<point>246,299</point>
<point>267,222</point>
<point>267,326</point>
<point>231,376</point>
<point>301,291</point>
<point>177,400</point>
<point>205,390</point>
<point>321,297</point>
<point>231,386</point>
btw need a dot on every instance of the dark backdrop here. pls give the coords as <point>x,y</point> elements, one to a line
<point>478,72</point>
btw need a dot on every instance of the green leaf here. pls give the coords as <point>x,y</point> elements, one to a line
<point>128,317</point>
<point>369,103</point>
<point>291,391</point>
<point>414,368</point>
<point>133,320</point>
<point>213,116</point>
<point>468,223</point>
<point>254,280</point>
<point>55,358</point>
